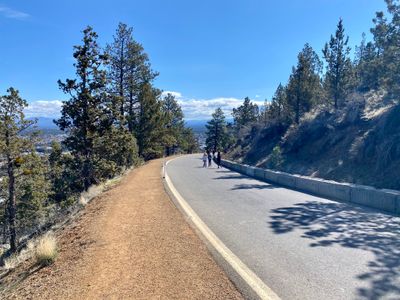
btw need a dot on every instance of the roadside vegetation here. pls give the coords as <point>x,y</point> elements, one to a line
<point>337,117</point>
<point>113,120</point>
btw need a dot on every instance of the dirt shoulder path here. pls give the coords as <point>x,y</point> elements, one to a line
<point>130,243</point>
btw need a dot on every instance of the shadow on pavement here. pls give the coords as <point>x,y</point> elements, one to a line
<point>253,186</point>
<point>244,186</point>
<point>327,224</point>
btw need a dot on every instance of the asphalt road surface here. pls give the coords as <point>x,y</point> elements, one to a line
<point>301,246</point>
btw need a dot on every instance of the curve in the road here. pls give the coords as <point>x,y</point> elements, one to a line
<point>301,246</point>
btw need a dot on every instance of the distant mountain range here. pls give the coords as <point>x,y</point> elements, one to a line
<point>48,123</point>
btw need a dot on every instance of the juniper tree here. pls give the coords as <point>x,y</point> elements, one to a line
<point>83,115</point>
<point>32,193</point>
<point>64,179</point>
<point>338,77</point>
<point>13,145</point>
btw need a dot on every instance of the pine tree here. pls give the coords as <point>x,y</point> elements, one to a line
<point>12,148</point>
<point>174,124</point>
<point>338,77</point>
<point>118,55</point>
<point>139,72</point>
<point>216,131</point>
<point>245,114</point>
<point>387,48</point>
<point>367,69</point>
<point>278,110</point>
<point>189,143</point>
<point>263,117</point>
<point>150,123</point>
<point>304,88</point>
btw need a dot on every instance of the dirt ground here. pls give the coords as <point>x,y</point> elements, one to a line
<point>129,243</point>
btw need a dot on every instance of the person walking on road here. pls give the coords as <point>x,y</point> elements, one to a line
<point>219,159</point>
<point>209,159</point>
<point>205,157</point>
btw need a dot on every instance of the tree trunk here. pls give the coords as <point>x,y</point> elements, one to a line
<point>11,206</point>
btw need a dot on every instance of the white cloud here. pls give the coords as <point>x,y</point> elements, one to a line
<point>257,96</point>
<point>193,109</point>
<point>12,14</point>
<point>200,109</point>
<point>44,108</point>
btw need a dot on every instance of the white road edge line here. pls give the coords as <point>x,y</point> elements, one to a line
<point>258,286</point>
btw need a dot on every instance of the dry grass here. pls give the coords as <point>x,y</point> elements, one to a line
<point>14,260</point>
<point>46,250</point>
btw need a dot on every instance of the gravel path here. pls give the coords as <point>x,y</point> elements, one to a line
<point>130,243</point>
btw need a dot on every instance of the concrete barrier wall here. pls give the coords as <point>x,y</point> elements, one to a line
<point>386,200</point>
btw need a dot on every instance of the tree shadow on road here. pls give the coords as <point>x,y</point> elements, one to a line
<point>327,224</point>
<point>253,186</point>
<point>244,186</point>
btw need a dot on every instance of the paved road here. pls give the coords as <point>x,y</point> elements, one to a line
<point>301,246</point>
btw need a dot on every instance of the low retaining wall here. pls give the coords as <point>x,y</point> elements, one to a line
<point>386,200</point>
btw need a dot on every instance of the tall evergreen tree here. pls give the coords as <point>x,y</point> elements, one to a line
<point>139,73</point>
<point>174,124</point>
<point>13,145</point>
<point>387,48</point>
<point>278,111</point>
<point>338,77</point>
<point>84,116</point>
<point>367,70</point>
<point>119,55</point>
<point>189,143</point>
<point>304,87</point>
<point>150,123</point>
<point>216,131</point>
<point>246,113</point>
<point>263,116</point>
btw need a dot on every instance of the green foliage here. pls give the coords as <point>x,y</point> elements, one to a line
<point>13,147</point>
<point>304,89</point>
<point>217,132</point>
<point>174,124</point>
<point>99,143</point>
<point>65,184</point>
<point>338,77</point>
<point>245,114</point>
<point>150,123</point>
<point>32,192</point>
<point>278,111</point>
<point>276,158</point>
<point>189,143</point>
<point>128,70</point>
<point>84,115</point>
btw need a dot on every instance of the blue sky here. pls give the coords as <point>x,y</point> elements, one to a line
<point>209,53</point>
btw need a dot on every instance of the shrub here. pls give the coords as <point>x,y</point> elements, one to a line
<point>46,250</point>
<point>276,158</point>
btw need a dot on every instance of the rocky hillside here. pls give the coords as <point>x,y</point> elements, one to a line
<point>359,143</point>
